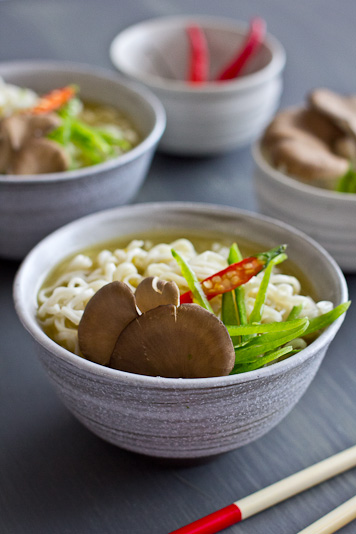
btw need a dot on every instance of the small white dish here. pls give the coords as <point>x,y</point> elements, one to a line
<point>210,118</point>
<point>327,216</point>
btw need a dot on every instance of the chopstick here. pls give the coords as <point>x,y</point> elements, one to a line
<point>273,494</point>
<point>334,520</point>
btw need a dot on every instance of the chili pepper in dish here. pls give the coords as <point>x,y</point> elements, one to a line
<point>234,275</point>
<point>252,43</point>
<point>54,100</point>
<point>199,55</point>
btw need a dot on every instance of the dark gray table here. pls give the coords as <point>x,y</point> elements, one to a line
<point>55,476</point>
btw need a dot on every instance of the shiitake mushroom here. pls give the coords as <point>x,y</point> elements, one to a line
<point>176,342</point>
<point>166,340</point>
<point>153,292</point>
<point>301,143</point>
<point>106,314</point>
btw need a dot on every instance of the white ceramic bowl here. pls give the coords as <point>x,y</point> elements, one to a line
<point>35,205</point>
<point>177,418</point>
<point>208,119</point>
<point>326,216</point>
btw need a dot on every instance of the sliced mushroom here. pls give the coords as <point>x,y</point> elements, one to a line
<point>40,156</point>
<point>107,313</point>
<point>301,143</point>
<point>308,163</point>
<point>5,149</point>
<point>304,124</point>
<point>346,148</point>
<point>20,127</point>
<point>341,110</point>
<point>24,150</point>
<point>175,342</point>
<point>153,292</point>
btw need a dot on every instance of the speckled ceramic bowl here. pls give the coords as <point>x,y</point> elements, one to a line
<point>213,117</point>
<point>326,216</point>
<point>165,417</point>
<point>33,206</point>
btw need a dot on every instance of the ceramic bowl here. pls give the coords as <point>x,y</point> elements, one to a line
<point>34,205</point>
<point>214,117</point>
<point>167,417</point>
<point>326,216</point>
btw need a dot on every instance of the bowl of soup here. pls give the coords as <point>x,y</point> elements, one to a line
<point>210,117</point>
<point>197,410</point>
<point>59,162</point>
<point>305,171</point>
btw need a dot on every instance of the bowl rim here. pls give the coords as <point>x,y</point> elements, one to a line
<point>273,68</point>
<point>294,183</point>
<point>30,323</point>
<point>144,93</point>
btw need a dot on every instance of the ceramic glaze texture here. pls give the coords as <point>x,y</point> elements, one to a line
<point>210,118</point>
<point>176,418</point>
<point>33,206</point>
<point>178,422</point>
<point>326,216</point>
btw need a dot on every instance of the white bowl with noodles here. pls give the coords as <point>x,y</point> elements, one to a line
<point>213,117</point>
<point>170,417</point>
<point>32,206</point>
<point>327,216</point>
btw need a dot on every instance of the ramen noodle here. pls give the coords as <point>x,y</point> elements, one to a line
<point>63,298</point>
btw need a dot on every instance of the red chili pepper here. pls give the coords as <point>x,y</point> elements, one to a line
<point>199,55</point>
<point>53,100</point>
<point>253,41</point>
<point>234,275</point>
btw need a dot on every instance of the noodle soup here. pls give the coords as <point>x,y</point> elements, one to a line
<point>149,414</point>
<point>66,292</point>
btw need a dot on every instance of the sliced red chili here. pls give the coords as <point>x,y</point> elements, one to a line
<point>198,71</point>
<point>54,100</point>
<point>253,41</point>
<point>234,275</point>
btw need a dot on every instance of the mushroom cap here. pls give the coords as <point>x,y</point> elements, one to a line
<point>107,313</point>
<point>301,123</point>
<point>5,149</point>
<point>25,150</point>
<point>346,148</point>
<point>303,160</point>
<point>21,127</point>
<point>153,292</point>
<point>40,156</point>
<point>302,143</point>
<point>175,342</point>
<point>341,110</point>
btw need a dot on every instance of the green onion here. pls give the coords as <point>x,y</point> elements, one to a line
<point>257,346</point>
<point>256,314</point>
<point>317,323</point>
<point>229,307</point>
<point>192,281</point>
<point>347,183</point>
<point>294,313</point>
<point>263,360</point>
<point>263,328</point>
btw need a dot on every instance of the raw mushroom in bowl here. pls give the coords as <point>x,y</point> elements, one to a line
<point>165,339</point>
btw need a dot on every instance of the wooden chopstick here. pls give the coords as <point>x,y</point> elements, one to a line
<point>271,495</point>
<point>334,520</point>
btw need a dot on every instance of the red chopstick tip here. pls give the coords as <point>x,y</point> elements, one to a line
<point>212,523</point>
